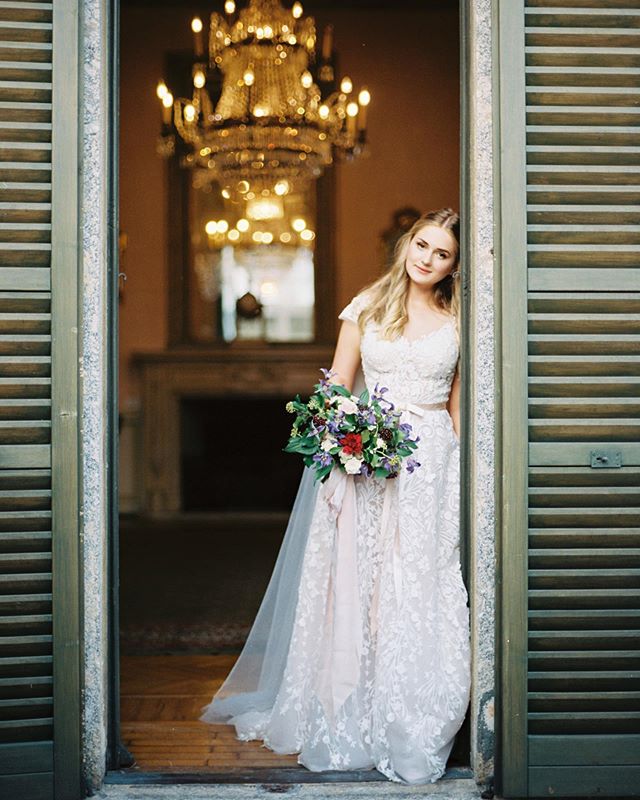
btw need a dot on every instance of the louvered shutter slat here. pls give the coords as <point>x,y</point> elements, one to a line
<point>583,248</point>
<point>570,255</point>
<point>26,641</point>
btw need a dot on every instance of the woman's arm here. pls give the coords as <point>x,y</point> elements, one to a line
<point>346,359</point>
<point>453,404</point>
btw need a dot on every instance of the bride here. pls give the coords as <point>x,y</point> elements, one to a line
<point>359,655</point>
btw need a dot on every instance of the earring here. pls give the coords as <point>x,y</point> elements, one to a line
<point>455,273</point>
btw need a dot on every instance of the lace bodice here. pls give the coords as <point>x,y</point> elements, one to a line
<point>414,371</point>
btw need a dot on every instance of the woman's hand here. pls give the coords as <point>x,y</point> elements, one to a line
<point>453,404</point>
<point>346,359</point>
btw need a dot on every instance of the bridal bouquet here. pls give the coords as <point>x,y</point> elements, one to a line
<point>358,435</point>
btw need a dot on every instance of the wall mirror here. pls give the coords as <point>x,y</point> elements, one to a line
<point>258,271</point>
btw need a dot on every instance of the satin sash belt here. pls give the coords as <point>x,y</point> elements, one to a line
<point>418,408</point>
<point>341,644</point>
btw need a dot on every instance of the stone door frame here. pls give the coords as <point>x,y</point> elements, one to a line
<point>99,20</point>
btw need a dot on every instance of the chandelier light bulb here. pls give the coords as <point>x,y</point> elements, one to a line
<point>249,77</point>
<point>268,31</point>
<point>267,237</point>
<point>324,112</point>
<point>364,98</point>
<point>211,227</point>
<point>285,237</point>
<point>299,224</point>
<point>226,194</point>
<point>307,79</point>
<point>297,10</point>
<point>346,85</point>
<point>242,225</point>
<point>198,79</point>
<point>223,226</point>
<point>233,235</point>
<point>352,113</point>
<point>161,89</point>
<point>257,236</point>
<point>189,112</point>
<point>196,27</point>
<point>167,104</point>
<point>307,235</point>
<point>230,6</point>
<point>281,188</point>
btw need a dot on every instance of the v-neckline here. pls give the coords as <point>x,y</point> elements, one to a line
<point>426,335</point>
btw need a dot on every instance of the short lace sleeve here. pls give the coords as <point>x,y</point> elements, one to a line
<point>352,311</point>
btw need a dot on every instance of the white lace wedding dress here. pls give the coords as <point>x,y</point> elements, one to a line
<point>375,672</point>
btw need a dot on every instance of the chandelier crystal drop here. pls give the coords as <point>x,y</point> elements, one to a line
<point>265,113</point>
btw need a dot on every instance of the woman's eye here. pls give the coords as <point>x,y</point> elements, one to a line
<point>420,245</point>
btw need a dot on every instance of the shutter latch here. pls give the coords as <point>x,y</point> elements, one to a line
<point>606,459</point>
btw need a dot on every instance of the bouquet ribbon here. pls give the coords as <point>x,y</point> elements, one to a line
<point>342,635</point>
<point>341,644</point>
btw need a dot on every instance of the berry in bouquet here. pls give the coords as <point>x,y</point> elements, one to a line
<point>357,435</point>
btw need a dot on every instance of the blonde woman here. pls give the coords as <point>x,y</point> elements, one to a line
<point>359,655</point>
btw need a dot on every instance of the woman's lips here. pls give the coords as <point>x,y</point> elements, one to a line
<point>422,269</point>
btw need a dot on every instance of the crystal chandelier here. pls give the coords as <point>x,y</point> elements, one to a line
<point>266,116</point>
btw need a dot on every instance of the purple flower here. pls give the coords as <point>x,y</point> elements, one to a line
<point>405,428</point>
<point>412,464</point>
<point>324,459</point>
<point>324,383</point>
<point>376,395</point>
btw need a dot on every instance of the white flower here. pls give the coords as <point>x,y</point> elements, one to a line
<point>381,444</point>
<point>327,444</point>
<point>347,406</point>
<point>352,465</point>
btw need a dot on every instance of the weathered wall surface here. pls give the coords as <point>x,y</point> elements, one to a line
<point>482,422</point>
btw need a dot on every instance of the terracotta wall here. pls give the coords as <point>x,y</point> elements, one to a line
<point>408,59</point>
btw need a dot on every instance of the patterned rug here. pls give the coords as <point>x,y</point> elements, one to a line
<point>193,584</point>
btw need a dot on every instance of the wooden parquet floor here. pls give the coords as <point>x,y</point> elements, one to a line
<point>161,699</point>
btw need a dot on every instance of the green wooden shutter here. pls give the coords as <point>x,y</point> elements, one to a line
<point>39,645</point>
<point>569,189</point>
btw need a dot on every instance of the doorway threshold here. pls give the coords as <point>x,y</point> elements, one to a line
<point>284,776</point>
<point>248,784</point>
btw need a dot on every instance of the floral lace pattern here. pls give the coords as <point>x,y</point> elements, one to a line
<point>413,687</point>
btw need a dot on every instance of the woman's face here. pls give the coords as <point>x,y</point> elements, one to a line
<point>432,255</point>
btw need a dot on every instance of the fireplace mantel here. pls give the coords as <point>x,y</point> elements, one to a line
<point>242,369</point>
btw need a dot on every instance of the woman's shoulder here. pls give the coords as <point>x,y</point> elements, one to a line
<point>356,306</point>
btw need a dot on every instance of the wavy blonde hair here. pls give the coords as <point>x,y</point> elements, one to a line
<point>387,297</point>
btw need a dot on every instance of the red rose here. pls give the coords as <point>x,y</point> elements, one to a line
<point>351,444</point>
